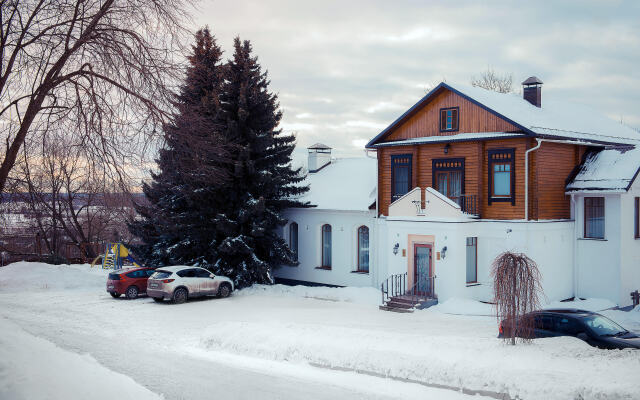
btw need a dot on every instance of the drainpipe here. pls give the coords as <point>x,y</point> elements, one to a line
<point>526,178</point>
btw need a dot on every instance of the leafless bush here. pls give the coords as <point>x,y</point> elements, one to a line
<point>516,285</point>
<point>491,80</point>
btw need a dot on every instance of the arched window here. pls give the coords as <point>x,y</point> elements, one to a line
<point>293,239</point>
<point>326,246</point>
<point>363,249</point>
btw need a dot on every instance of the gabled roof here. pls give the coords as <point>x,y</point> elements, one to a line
<point>347,184</point>
<point>554,120</point>
<point>611,170</point>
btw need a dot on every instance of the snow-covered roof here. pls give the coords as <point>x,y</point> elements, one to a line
<point>319,146</point>
<point>554,119</point>
<point>345,184</point>
<point>608,170</point>
<point>460,137</point>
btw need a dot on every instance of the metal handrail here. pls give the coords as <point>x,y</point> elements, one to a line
<point>396,285</point>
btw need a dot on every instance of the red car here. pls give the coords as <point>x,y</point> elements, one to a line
<point>128,281</point>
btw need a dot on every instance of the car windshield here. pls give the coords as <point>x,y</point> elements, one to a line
<point>161,275</point>
<point>603,326</point>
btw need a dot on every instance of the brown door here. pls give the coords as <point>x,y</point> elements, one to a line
<point>422,269</point>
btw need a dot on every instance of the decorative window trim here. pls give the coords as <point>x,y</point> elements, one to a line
<point>447,164</point>
<point>408,163</point>
<point>322,260</point>
<point>584,217</point>
<point>502,156</point>
<point>455,124</point>
<point>359,267</point>
<point>637,218</point>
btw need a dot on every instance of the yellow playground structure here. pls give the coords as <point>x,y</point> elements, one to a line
<point>114,256</point>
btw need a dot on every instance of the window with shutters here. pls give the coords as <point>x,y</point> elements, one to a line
<point>449,119</point>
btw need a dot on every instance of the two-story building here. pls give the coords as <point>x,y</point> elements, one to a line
<point>468,173</point>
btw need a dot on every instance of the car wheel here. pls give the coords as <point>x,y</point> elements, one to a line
<point>158,299</point>
<point>224,290</point>
<point>115,295</point>
<point>180,296</point>
<point>132,292</point>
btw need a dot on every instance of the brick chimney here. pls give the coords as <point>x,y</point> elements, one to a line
<point>532,91</point>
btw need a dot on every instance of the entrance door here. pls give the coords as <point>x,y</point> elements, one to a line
<point>422,269</point>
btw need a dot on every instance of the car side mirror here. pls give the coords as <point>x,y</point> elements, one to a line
<point>582,336</point>
<point>212,276</point>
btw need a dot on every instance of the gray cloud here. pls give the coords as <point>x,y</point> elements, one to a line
<point>345,70</point>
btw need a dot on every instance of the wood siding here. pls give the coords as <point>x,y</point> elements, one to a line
<point>549,168</point>
<point>472,118</point>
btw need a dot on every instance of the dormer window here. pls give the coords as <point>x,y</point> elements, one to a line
<point>449,119</point>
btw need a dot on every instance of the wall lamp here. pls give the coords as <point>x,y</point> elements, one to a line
<point>443,252</point>
<point>395,248</point>
<point>446,148</point>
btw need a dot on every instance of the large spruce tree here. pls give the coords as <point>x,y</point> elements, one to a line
<point>175,225</point>
<point>225,173</point>
<point>263,182</point>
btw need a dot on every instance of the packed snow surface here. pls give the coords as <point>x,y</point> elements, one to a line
<point>359,295</point>
<point>32,368</point>
<point>266,341</point>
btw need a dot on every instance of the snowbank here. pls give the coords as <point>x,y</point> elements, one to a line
<point>49,372</point>
<point>460,306</point>
<point>558,368</point>
<point>358,295</point>
<point>593,304</point>
<point>40,276</point>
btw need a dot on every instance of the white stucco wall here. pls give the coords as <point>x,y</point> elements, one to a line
<point>630,246</point>
<point>344,229</point>
<point>547,243</point>
<point>598,260</point>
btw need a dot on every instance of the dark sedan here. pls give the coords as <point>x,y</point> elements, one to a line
<point>595,329</point>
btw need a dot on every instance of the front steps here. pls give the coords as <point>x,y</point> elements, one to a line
<point>407,304</point>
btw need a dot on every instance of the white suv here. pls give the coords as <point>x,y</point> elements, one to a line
<point>181,282</point>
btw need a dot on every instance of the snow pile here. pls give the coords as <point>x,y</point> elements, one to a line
<point>629,320</point>
<point>358,295</point>
<point>461,306</point>
<point>592,304</point>
<point>39,276</point>
<point>45,371</point>
<point>562,368</point>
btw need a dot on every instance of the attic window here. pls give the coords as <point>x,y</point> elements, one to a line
<point>449,119</point>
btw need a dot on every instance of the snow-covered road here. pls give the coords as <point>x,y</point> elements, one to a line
<point>288,343</point>
<point>157,344</point>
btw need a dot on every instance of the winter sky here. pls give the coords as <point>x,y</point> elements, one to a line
<point>344,70</point>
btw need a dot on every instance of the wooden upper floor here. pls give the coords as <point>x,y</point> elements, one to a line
<point>476,157</point>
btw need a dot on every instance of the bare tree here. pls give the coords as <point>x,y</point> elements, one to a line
<point>491,80</point>
<point>72,202</point>
<point>99,70</point>
<point>516,286</point>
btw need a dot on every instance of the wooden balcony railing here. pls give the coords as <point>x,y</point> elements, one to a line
<point>468,204</point>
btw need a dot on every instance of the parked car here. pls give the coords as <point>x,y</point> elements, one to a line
<point>128,281</point>
<point>595,329</point>
<point>181,283</point>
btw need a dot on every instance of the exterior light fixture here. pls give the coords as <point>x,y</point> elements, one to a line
<point>395,248</point>
<point>443,252</point>
<point>446,148</point>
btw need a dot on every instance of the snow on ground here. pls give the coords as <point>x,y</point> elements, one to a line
<point>32,368</point>
<point>359,295</point>
<point>461,306</point>
<point>271,340</point>
<point>587,304</point>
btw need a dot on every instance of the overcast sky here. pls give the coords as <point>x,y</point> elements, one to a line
<point>344,70</point>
